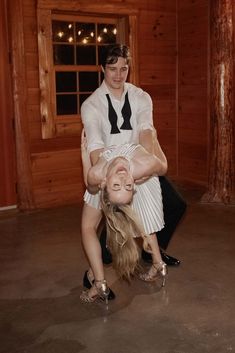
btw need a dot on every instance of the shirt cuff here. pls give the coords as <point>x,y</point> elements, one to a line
<point>94,146</point>
<point>146,126</point>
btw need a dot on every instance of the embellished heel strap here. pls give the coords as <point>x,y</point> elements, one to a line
<point>99,290</point>
<point>102,289</point>
<point>157,269</point>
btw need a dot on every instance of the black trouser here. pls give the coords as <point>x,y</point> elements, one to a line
<point>173,207</point>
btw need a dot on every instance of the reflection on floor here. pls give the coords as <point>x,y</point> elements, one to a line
<point>42,264</point>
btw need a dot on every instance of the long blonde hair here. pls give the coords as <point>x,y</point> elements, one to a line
<point>122,226</point>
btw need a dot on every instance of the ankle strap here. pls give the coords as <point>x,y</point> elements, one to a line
<point>158,264</point>
<point>100,280</point>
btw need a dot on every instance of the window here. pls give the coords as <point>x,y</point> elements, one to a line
<point>70,47</point>
<point>78,46</point>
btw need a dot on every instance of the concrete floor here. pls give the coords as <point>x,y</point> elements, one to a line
<point>42,264</point>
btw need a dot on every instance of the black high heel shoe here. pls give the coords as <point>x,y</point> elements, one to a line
<point>88,284</point>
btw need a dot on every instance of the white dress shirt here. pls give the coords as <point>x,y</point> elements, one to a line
<point>94,113</point>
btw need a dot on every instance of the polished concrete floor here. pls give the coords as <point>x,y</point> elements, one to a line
<point>41,269</point>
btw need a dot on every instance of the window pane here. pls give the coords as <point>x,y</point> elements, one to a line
<point>82,98</point>
<point>86,55</point>
<point>62,31</point>
<point>101,54</point>
<point>66,82</point>
<point>106,33</point>
<point>66,104</point>
<point>63,54</point>
<point>85,33</point>
<point>88,81</point>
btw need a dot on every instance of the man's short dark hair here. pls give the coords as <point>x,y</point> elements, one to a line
<point>113,52</point>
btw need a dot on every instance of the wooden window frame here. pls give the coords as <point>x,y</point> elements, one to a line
<point>52,126</point>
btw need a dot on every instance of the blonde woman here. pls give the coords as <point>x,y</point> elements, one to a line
<point>112,179</point>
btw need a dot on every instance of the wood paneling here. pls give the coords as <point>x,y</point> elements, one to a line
<point>57,177</point>
<point>158,58</point>
<point>193,60</point>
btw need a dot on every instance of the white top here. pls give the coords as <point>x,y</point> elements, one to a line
<point>127,150</point>
<point>94,113</point>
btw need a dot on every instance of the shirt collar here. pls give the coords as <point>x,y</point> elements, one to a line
<point>105,89</point>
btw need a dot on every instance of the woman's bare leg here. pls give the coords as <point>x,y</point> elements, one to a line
<point>91,218</point>
<point>154,248</point>
<point>158,267</point>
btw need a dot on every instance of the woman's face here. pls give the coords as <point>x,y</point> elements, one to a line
<point>119,181</point>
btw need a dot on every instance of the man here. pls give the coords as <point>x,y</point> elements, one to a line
<point>116,113</point>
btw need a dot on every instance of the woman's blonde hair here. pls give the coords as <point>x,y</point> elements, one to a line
<point>122,226</point>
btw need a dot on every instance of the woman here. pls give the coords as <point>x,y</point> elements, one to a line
<point>116,171</point>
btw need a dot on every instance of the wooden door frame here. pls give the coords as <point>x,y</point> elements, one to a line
<point>8,198</point>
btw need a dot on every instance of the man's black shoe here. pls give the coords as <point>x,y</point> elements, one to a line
<point>169,260</point>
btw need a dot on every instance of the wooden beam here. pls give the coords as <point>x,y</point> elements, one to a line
<point>24,175</point>
<point>221,109</point>
<point>85,6</point>
<point>7,150</point>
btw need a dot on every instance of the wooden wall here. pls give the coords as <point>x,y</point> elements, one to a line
<point>173,67</point>
<point>193,90</point>
<point>158,70</point>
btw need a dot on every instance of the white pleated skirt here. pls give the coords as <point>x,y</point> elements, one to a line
<point>147,203</point>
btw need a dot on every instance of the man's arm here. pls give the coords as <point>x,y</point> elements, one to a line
<point>91,118</point>
<point>86,162</point>
<point>89,172</point>
<point>155,163</point>
<point>146,140</point>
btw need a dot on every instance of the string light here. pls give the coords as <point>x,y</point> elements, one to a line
<point>86,39</point>
<point>60,34</point>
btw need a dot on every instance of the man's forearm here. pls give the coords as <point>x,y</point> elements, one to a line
<point>146,140</point>
<point>94,155</point>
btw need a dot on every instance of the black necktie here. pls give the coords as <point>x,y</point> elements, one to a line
<point>126,113</point>
<point>112,117</point>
